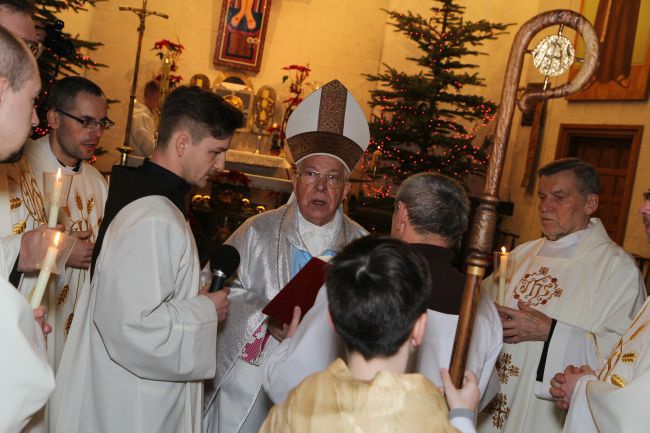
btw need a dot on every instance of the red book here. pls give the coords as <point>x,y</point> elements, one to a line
<point>300,291</point>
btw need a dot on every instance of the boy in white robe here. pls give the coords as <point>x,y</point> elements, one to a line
<point>378,290</point>
<point>144,337</point>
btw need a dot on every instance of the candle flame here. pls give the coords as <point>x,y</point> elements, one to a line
<point>57,238</point>
<point>503,250</point>
<point>58,175</point>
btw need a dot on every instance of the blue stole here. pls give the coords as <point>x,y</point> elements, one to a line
<point>300,259</point>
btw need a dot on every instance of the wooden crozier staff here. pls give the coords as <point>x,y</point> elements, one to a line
<point>552,56</point>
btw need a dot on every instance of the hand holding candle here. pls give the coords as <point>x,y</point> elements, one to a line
<point>47,266</point>
<point>503,271</point>
<point>57,188</point>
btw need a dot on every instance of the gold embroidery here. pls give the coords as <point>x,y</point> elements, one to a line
<point>66,210</point>
<point>62,296</point>
<point>538,288</point>
<point>637,332</point>
<point>19,227</point>
<point>68,324</point>
<point>618,381</point>
<point>80,205</point>
<point>505,368</point>
<point>90,204</point>
<point>30,294</point>
<point>15,203</point>
<point>32,198</point>
<point>629,357</point>
<point>499,410</point>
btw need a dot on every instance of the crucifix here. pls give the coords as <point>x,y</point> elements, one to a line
<point>142,14</point>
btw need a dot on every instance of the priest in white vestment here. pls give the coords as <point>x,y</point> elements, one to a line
<point>26,379</point>
<point>69,145</point>
<point>431,214</point>
<point>572,295</point>
<point>144,336</point>
<point>327,135</point>
<point>616,398</point>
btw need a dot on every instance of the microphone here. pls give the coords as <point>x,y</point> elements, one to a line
<point>224,262</point>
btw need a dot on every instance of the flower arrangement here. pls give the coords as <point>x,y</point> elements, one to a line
<point>169,52</point>
<point>299,74</point>
<point>232,177</point>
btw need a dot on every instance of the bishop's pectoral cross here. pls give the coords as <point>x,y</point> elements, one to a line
<point>142,14</point>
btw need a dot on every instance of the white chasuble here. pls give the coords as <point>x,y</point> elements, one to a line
<point>142,340</point>
<point>617,400</point>
<point>21,210</point>
<point>593,295</point>
<point>84,212</point>
<point>26,379</point>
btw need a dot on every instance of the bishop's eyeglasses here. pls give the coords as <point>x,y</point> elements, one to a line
<point>90,123</point>
<point>36,47</point>
<point>332,180</point>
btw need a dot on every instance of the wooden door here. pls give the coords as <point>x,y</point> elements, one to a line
<point>614,150</point>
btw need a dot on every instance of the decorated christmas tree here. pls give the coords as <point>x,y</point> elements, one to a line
<point>62,53</point>
<point>427,121</point>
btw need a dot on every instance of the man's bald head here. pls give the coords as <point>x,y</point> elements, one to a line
<point>16,16</point>
<point>17,63</point>
<point>19,85</point>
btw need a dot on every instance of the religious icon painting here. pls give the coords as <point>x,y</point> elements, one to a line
<point>242,30</point>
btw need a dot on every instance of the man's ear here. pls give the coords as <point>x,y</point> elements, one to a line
<point>182,140</point>
<point>4,88</point>
<point>346,190</point>
<point>420,327</point>
<point>592,204</point>
<point>52,118</point>
<point>401,214</point>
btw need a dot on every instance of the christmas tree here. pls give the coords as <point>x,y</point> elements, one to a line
<point>427,121</point>
<point>62,53</point>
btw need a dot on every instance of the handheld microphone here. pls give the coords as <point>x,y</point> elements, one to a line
<point>224,262</point>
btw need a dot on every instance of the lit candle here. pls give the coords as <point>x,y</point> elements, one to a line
<point>55,199</point>
<point>47,266</point>
<point>503,269</point>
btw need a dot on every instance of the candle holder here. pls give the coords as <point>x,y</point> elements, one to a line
<point>62,242</point>
<point>504,264</point>
<point>52,251</point>
<point>56,188</point>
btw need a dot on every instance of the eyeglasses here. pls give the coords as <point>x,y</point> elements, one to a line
<point>36,47</point>
<point>90,123</point>
<point>646,196</point>
<point>332,180</point>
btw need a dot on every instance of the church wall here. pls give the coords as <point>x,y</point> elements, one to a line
<point>345,39</point>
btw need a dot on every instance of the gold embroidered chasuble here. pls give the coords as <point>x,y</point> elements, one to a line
<point>593,295</point>
<point>334,401</point>
<point>84,211</point>
<point>617,400</point>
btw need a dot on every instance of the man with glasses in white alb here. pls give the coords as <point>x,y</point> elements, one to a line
<point>327,135</point>
<point>77,116</point>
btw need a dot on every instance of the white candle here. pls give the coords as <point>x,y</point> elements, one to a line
<point>47,266</point>
<point>55,199</point>
<point>503,269</point>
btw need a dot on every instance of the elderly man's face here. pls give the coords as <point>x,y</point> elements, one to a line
<point>319,201</point>
<point>563,209</point>
<point>645,214</point>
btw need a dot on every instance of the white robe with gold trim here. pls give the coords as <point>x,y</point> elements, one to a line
<point>84,211</point>
<point>593,295</point>
<point>617,401</point>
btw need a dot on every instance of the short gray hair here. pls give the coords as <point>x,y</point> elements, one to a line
<point>586,173</point>
<point>435,204</point>
<point>17,63</point>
